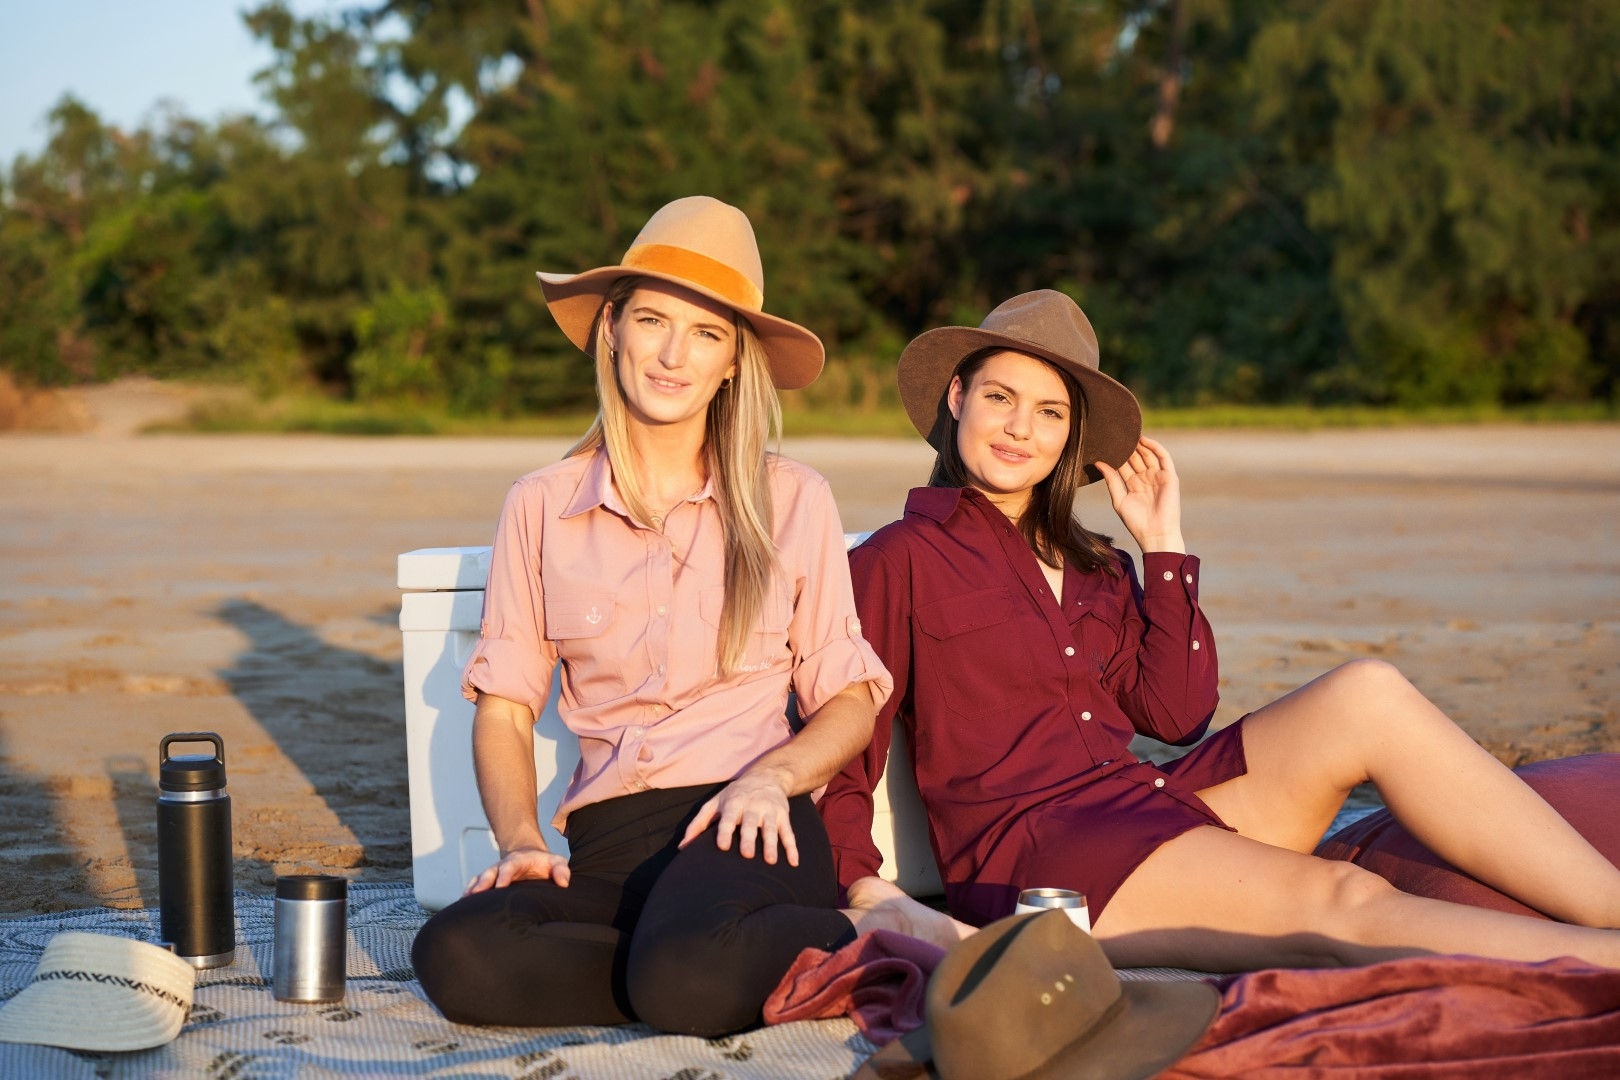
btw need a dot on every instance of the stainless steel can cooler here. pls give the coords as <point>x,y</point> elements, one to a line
<point>1070,902</point>
<point>312,925</point>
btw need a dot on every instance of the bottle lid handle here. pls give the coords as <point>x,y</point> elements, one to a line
<point>191,736</point>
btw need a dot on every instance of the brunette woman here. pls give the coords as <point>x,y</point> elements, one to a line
<point>1026,652</point>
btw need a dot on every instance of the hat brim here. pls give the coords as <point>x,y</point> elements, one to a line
<point>795,355</point>
<point>1158,1022</point>
<point>1113,416</point>
<point>1148,1027</point>
<point>101,992</point>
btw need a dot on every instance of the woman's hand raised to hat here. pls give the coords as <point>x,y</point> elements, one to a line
<point>522,864</point>
<point>754,809</point>
<point>1146,493</point>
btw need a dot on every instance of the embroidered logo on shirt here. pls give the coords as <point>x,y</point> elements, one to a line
<point>593,616</point>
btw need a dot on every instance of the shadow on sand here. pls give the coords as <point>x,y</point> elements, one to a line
<point>341,738</point>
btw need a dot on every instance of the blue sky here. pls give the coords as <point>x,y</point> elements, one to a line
<point>121,57</point>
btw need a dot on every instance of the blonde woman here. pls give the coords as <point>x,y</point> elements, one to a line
<point>680,580</point>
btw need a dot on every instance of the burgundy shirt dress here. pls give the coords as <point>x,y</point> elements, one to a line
<point>1019,707</point>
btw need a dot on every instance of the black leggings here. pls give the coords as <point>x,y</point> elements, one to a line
<point>687,940</point>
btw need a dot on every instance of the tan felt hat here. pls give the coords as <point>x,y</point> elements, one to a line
<point>1032,997</point>
<point>100,992</point>
<point>1045,324</point>
<point>708,246</point>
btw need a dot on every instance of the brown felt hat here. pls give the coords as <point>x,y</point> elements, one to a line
<point>1047,325</point>
<point>1032,997</point>
<point>707,246</point>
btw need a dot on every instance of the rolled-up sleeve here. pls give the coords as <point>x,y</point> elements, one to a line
<point>829,651</point>
<point>513,659</point>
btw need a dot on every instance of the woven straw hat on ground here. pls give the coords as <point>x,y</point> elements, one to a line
<point>100,992</point>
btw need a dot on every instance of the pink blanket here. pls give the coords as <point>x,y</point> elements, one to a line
<point>1423,1018</point>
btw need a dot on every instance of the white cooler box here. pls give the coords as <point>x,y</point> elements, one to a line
<point>441,603</point>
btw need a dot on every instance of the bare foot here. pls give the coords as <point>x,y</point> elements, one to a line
<point>876,904</point>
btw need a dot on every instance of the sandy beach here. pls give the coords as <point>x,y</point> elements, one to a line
<point>245,585</point>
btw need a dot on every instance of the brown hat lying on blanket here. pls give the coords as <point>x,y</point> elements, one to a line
<point>1033,996</point>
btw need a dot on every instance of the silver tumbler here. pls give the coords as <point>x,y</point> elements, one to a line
<point>312,927</point>
<point>1071,903</point>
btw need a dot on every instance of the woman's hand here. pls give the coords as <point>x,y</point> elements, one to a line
<point>869,892</point>
<point>754,807</point>
<point>1147,496</point>
<point>522,864</point>
<point>876,904</point>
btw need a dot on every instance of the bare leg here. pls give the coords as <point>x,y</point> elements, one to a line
<point>1363,721</point>
<point>875,904</point>
<point>1218,901</point>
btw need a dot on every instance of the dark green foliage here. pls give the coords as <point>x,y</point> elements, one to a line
<point>1255,200</point>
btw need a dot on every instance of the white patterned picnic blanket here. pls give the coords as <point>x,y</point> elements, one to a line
<point>384,1026</point>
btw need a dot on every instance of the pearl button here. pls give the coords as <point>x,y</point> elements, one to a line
<point>662,609</point>
<point>1085,716</point>
<point>1195,646</point>
<point>1069,651</point>
<point>1189,579</point>
<point>1159,782</point>
<point>1169,575</point>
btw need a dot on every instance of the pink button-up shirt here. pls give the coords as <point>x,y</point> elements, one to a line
<point>633,614</point>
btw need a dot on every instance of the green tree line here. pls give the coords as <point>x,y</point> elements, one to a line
<point>1323,201</point>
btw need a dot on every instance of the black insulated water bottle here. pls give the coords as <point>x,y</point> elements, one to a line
<point>194,852</point>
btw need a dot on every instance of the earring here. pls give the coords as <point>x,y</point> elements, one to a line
<point>725,383</point>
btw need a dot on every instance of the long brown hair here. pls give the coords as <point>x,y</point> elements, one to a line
<point>742,420</point>
<point>1048,523</point>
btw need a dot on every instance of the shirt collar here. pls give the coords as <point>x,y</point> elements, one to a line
<point>936,503</point>
<point>596,488</point>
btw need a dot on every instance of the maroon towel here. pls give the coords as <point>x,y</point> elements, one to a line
<point>879,980</point>
<point>1422,1018</point>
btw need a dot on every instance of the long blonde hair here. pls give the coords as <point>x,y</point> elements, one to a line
<point>743,418</point>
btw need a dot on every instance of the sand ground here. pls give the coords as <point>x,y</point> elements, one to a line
<point>245,585</point>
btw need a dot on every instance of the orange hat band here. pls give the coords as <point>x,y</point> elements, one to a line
<point>700,270</point>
